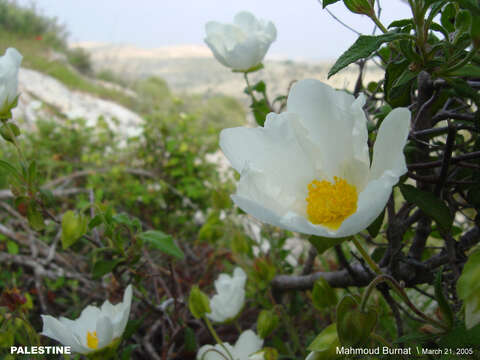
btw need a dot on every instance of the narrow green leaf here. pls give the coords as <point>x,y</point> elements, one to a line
<point>9,169</point>
<point>325,3</point>
<point>363,48</point>
<point>103,267</point>
<point>161,241</point>
<point>429,204</point>
<point>443,304</point>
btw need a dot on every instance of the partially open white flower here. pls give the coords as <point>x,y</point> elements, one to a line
<point>95,329</point>
<point>243,44</point>
<point>308,169</point>
<point>230,296</point>
<point>9,65</point>
<point>248,343</point>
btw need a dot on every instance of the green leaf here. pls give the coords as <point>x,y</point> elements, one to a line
<point>12,247</point>
<point>363,48</point>
<point>325,3</point>
<point>448,17</point>
<point>323,295</point>
<point>443,304</point>
<point>190,340</point>
<point>9,169</point>
<point>260,111</point>
<point>325,340</point>
<point>375,227</point>
<point>397,95</point>
<point>198,302</point>
<point>161,241</point>
<point>354,326</point>
<point>103,267</point>
<point>429,204</point>
<point>400,23</point>
<point>6,131</point>
<point>73,228</point>
<point>323,243</point>
<point>469,282</point>
<point>35,217</point>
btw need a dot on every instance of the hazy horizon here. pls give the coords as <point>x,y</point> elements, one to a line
<point>305,31</point>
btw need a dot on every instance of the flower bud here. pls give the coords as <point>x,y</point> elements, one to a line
<point>198,303</point>
<point>267,322</point>
<point>363,7</point>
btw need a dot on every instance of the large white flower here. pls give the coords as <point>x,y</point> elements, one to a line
<point>96,328</point>
<point>243,44</point>
<point>230,296</point>
<point>247,344</point>
<point>308,169</point>
<point>9,65</point>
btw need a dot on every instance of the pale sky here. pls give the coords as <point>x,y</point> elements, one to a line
<point>305,30</point>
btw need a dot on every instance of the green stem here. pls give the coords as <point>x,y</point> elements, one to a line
<point>216,337</point>
<point>401,292</point>
<point>17,146</point>
<point>377,22</point>
<point>250,92</point>
<point>373,265</point>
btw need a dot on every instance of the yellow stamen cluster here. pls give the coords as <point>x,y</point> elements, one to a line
<point>92,340</point>
<point>330,204</point>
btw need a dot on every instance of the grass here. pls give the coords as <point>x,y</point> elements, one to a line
<point>36,56</point>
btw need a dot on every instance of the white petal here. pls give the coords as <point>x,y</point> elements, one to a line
<point>54,329</point>
<point>331,118</point>
<point>104,332</point>
<point>275,154</point>
<point>247,344</point>
<point>246,54</point>
<point>246,21</point>
<point>9,65</point>
<point>119,327</point>
<point>388,149</point>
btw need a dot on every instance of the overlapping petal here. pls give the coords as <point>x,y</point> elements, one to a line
<point>322,135</point>
<point>241,45</point>
<point>247,344</point>
<point>9,66</point>
<point>107,322</point>
<point>230,297</point>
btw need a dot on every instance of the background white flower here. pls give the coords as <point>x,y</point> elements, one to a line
<point>247,344</point>
<point>9,65</point>
<point>230,296</point>
<point>308,169</point>
<point>243,44</point>
<point>95,329</point>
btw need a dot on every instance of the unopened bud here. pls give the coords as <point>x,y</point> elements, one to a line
<point>198,303</point>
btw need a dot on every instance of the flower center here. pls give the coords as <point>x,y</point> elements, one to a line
<point>92,340</point>
<point>330,204</point>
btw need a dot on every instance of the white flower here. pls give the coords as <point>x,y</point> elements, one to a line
<point>228,301</point>
<point>9,65</point>
<point>247,344</point>
<point>243,44</point>
<point>308,169</point>
<point>95,329</point>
